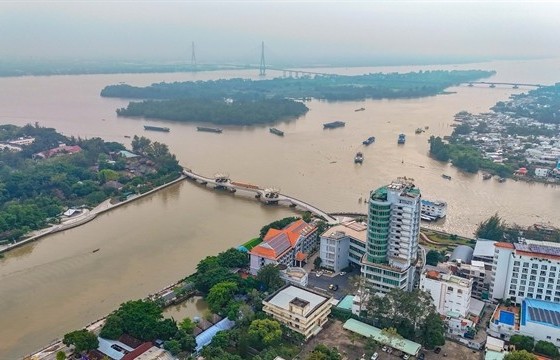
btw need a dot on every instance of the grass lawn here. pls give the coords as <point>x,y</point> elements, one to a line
<point>252,243</point>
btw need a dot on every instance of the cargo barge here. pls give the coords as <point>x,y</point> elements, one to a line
<point>209,129</point>
<point>334,125</point>
<point>275,131</point>
<point>156,128</point>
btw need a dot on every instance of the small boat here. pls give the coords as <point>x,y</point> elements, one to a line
<point>156,128</point>
<point>359,158</point>
<point>334,125</point>
<point>127,136</point>
<point>96,250</point>
<point>502,180</point>
<point>418,131</point>
<point>446,177</point>
<point>369,140</point>
<point>275,131</point>
<point>360,109</point>
<point>426,127</point>
<point>401,139</point>
<point>209,129</point>
<point>486,176</point>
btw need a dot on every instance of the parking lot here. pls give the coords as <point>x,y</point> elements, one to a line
<point>322,283</point>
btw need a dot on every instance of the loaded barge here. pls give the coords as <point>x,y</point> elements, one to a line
<point>209,129</point>
<point>156,128</point>
<point>334,125</point>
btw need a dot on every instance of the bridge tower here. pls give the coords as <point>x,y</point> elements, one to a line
<point>262,67</point>
<point>193,56</point>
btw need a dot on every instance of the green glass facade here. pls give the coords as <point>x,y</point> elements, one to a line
<point>379,217</point>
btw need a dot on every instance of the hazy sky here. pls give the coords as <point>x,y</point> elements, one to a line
<point>298,31</point>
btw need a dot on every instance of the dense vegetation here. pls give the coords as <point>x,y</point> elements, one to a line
<point>243,112</point>
<point>492,228</point>
<point>245,102</point>
<point>34,191</point>
<point>527,343</point>
<point>543,107</point>
<point>411,314</point>
<point>334,87</point>
<point>466,157</point>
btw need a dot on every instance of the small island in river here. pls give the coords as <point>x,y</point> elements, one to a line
<point>248,102</point>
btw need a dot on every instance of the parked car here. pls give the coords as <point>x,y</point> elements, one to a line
<point>384,348</point>
<point>422,356</point>
<point>437,350</point>
<point>319,273</point>
<point>374,356</point>
<point>333,287</point>
<point>405,356</point>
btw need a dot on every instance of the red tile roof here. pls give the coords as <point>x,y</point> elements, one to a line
<point>504,245</point>
<point>138,351</point>
<point>277,242</point>
<point>301,256</point>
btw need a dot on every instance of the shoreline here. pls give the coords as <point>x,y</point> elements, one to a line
<point>103,207</point>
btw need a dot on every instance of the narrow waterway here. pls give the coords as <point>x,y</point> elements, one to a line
<point>57,284</point>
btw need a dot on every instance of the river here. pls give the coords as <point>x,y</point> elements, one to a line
<point>57,284</point>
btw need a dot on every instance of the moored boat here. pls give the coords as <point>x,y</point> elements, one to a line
<point>486,176</point>
<point>446,177</point>
<point>334,125</point>
<point>209,129</point>
<point>156,128</point>
<point>360,109</point>
<point>401,139</point>
<point>418,131</point>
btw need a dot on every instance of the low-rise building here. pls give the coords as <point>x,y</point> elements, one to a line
<point>294,275</point>
<point>542,172</point>
<point>536,318</point>
<point>451,294</point>
<point>343,245</point>
<point>289,246</point>
<point>302,310</point>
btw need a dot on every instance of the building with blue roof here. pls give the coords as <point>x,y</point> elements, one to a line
<point>206,336</point>
<point>541,320</point>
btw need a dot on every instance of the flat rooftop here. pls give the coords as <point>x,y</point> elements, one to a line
<point>354,229</point>
<point>484,248</point>
<point>539,311</point>
<point>539,248</point>
<point>290,293</point>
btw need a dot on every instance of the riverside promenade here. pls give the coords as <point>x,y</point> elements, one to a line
<point>85,217</point>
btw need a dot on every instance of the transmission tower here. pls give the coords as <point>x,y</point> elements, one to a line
<point>262,67</point>
<point>193,56</point>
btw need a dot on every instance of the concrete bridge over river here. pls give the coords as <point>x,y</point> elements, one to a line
<point>268,196</point>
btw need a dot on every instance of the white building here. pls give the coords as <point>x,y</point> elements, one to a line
<point>343,245</point>
<point>289,246</point>
<point>434,209</point>
<point>451,294</point>
<point>294,275</point>
<point>392,236</point>
<point>526,270</point>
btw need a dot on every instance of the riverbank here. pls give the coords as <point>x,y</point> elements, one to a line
<point>86,217</point>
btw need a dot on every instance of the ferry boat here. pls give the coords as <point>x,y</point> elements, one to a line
<point>401,139</point>
<point>370,140</point>
<point>360,109</point>
<point>334,125</point>
<point>433,210</point>
<point>209,129</point>
<point>446,177</point>
<point>156,128</point>
<point>275,131</point>
<point>359,158</point>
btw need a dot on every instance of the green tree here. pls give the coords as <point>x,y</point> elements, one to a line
<point>113,328</point>
<point>317,262</point>
<point>433,257</point>
<point>492,229</point>
<point>61,355</point>
<point>307,216</point>
<point>433,330</point>
<point>187,325</point>
<point>264,332</point>
<point>173,346</point>
<point>82,340</point>
<point>269,276</point>
<point>520,355</point>
<point>321,352</point>
<point>220,295</point>
<point>233,258</point>
<point>547,348</point>
<point>522,342</point>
